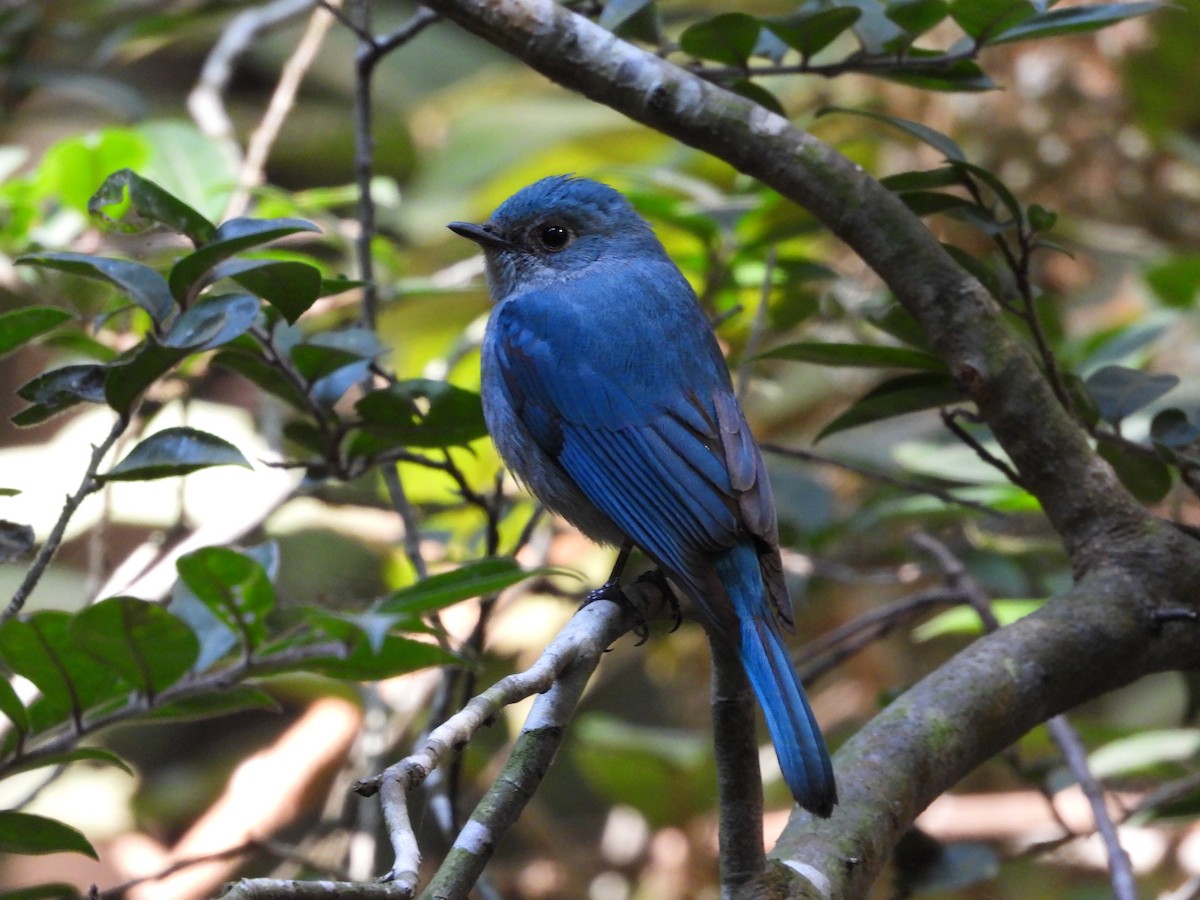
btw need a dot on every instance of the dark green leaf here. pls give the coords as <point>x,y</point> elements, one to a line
<point>1147,478</point>
<point>981,18</point>
<point>759,94</point>
<point>218,703</point>
<point>396,656</point>
<point>47,891</point>
<point>810,33</point>
<point>1119,391</point>
<point>316,361</point>
<point>257,370</point>
<point>12,707</point>
<point>422,413</point>
<point>230,238</point>
<point>946,176</point>
<point>898,322</point>
<point>234,586</point>
<point>142,203</point>
<point>917,16</point>
<point>1041,219</point>
<point>79,754</point>
<point>982,270</point>
<point>934,74</point>
<point>1071,20</point>
<point>141,284</point>
<point>923,133</point>
<point>370,626</point>
<point>865,355</point>
<point>728,38</point>
<point>212,321</point>
<point>16,540</point>
<point>928,203</point>
<point>997,187</point>
<point>897,396</point>
<point>145,644</point>
<point>25,833</point>
<point>1176,281</point>
<point>175,451</point>
<point>617,12</point>
<point>22,325</point>
<point>137,369</point>
<point>59,389</point>
<point>289,286</point>
<point>1173,428</point>
<point>476,579</point>
<point>332,286</point>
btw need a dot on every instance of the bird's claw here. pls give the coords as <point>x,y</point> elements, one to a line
<point>659,580</point>
<point>611,591</point>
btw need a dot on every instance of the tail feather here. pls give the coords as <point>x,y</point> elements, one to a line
<point>799,745</point>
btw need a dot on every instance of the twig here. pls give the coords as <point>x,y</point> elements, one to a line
<point>258,148</point>
<point>950,419</point>
<point>576,649</point>
<point>914,487</point>
<point>1120,869</point>
<point>206,101</point>
<point>408,516</point>
<point>87,485</point>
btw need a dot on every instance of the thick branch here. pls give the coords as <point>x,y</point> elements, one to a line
<point>1078,491</point>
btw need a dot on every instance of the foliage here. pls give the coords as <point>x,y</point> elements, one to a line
<point>135,294</point>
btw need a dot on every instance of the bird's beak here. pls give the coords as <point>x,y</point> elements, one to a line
<point>484,235</point>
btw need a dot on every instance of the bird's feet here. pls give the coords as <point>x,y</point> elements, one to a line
<point>659,580</point>
<point>611,591</point>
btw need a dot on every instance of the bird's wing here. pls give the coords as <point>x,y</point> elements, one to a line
<point>646,424</point>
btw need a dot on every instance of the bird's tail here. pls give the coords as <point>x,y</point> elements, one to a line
<point>794,730</point>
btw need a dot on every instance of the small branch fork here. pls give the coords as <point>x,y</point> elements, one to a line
<point>559,677</point>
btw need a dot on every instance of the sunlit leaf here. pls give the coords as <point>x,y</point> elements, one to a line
<point>421,413</point>
<point>175,451</point>
<point>22,325</point>
<point>149,647</point>
<point>12,707</point>
<point>212,321</point>
<point>140,203</point>
<point>964,620</point>
<point>475,579</point>
<point>234,586</point>
<point>1176,282</point>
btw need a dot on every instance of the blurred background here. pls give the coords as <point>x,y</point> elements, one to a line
<point>1102,129</point>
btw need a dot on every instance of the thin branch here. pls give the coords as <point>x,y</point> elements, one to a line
<point>87,485</point>
<point>250,175</point>
<point>890,64</point>
<point>950,419</point>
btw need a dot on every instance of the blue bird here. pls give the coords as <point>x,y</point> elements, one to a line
<point>607,396</point>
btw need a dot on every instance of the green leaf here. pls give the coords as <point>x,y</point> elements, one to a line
<point>59,389</point>
<point>728,38</point>
<point>218,703</point>
<point>47,891</point>
<point>135,370</point>
<point>1072,20</point>
<point>371,626</point>
<point>893,319</point>
<point>897,396</point>
<point>928,203</point>
<point>980,18</point>
<point>1146,477</point>
<point>175,451</point>
<point>964,620</point>
<point>810,33</point>
<point>1176,281</point>
<point>22,325</point>
<point>289,286</point>
<point>234,587</point>
<point>1173,429</point>
<point>759,94</point>
<point>145,644</point>
<point>945,176</point>
<point>212,321</point>
<point>863,355</point>
<point>996,186</point>
<point>255,369</point>
<point>78,754</point>
<point>923,133</point>
<point>1144,752</point>
<point>12,707</point>
<point>141,203</point>
<point>40,648</point>
<point>1119,391</point>
<point>396,656</point>
<point>617,12</point>
<point>230,238</point>
<point>141,284</point>
<point>929,71</point>
<point>25,833</point>
<point>420,413</point>
<point>475,579</point>
<point>917,16</point>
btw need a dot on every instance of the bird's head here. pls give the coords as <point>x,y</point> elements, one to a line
<point>556,229</point>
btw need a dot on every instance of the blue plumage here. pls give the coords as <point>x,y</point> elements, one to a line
<point>608,397</point>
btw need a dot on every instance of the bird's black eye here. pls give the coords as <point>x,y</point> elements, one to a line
<point>554,237</point>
